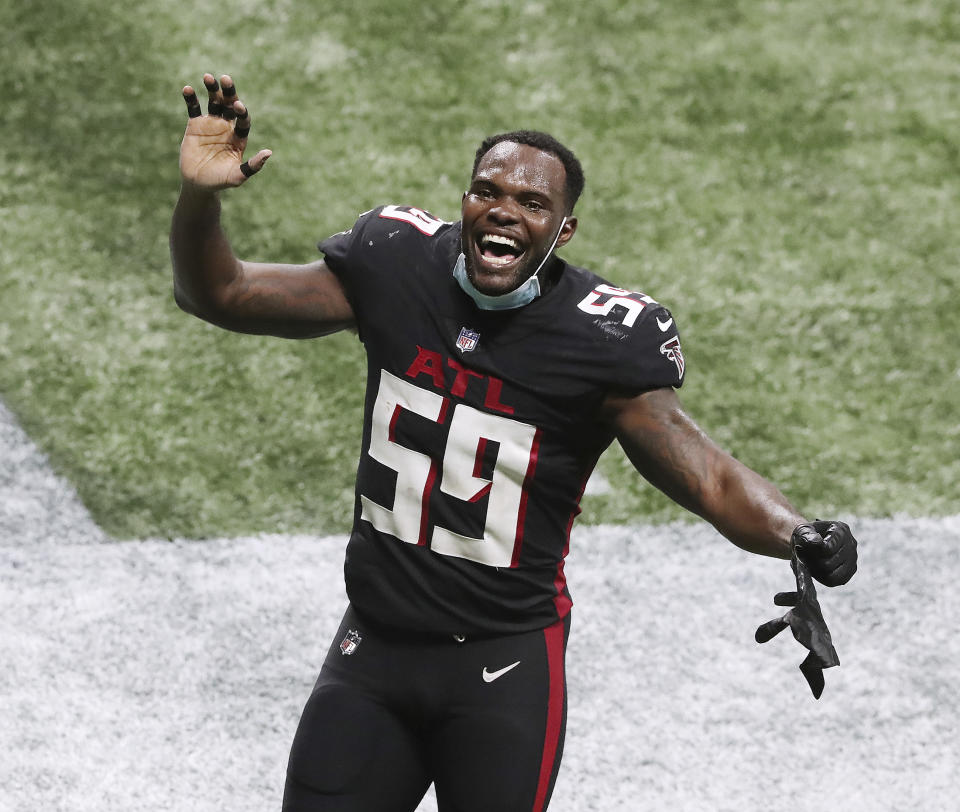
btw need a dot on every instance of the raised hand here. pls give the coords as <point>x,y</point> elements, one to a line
<point>211,154</point>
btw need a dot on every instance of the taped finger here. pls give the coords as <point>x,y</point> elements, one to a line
<point>229,90</point>
<point>254,164</point>
<point>786,598</point>
<point>214,108</point>
<point>193,103</point>
<point>242,128</point>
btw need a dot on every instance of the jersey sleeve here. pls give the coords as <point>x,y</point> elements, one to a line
<point>360,269</point>
<point>342,252</point>
<point>634,341</point>
<point>654,357</point>
<point>380,260</point>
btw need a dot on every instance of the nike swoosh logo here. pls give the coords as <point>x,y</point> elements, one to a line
<point>490,676</point>
<point>664,325</point>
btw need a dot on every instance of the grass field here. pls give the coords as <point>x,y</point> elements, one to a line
<point>783,175</point>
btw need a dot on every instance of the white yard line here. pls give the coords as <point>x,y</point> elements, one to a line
<point>36,505</point>
<point>169,676</point>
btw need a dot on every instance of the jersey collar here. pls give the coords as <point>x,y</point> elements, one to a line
<point>518,297</point>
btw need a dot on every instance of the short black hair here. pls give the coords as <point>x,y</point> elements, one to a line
<point>546,142</point>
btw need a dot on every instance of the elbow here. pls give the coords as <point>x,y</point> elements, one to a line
<point>211,309</point>
<point>189,304</point>
<point>207,310</point>
<point>183,302</point>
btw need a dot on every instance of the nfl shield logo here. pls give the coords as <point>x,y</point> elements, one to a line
<point>467,339</point>
<point>350,642</point>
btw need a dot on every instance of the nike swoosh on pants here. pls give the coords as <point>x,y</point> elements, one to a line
<point>490,676</point>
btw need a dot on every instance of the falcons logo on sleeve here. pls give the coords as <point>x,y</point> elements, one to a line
<point>671,349</point>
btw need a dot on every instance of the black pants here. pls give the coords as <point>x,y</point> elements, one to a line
<point>483,719</point>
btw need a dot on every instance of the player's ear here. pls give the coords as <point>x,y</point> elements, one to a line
<point>567,232</point>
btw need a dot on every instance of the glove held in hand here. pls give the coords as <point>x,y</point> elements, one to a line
<point>807,624</point>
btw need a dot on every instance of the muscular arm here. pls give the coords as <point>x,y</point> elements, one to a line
<point>291,301</point>
<point>209,281</point>
<point>675,455</point>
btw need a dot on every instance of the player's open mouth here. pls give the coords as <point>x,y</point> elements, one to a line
<point>498,250</point>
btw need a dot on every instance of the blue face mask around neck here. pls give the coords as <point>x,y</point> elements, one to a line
<point>518,297</point>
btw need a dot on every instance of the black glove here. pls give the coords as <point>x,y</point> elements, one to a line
<point>828,549</point>
<point>807,624</point>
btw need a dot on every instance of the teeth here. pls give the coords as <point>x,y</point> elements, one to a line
<point>497,238</point>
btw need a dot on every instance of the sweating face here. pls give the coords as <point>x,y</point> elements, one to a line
<point>511,215</point>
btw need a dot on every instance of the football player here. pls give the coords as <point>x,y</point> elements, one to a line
<point>497,373</point>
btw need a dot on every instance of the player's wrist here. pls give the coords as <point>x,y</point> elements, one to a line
<point>197,197</point>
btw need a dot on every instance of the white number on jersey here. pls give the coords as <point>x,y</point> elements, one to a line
<point>418,218</point>
<point>462,478</point>
<point>414,469</point>
<point>470,431</point>
<point>618,297</point>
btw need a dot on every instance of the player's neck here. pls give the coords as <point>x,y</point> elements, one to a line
<point>550,274</point>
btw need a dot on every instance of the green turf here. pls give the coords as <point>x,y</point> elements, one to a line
<point>783,175</point>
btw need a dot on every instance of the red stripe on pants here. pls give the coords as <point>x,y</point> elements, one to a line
<point>554,637</point>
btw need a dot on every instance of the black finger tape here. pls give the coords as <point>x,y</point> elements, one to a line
<point>214,108</point>
<point>212,85</point>
<point>193,105</point>
<point>246,170</point>
<point>241,132</point>
<point>230,91</point>
<point>228,113</point>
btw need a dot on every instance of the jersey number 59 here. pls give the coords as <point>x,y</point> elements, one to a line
<point>461,475</point>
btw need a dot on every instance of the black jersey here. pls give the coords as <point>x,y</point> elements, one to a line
<point>480,427</point>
